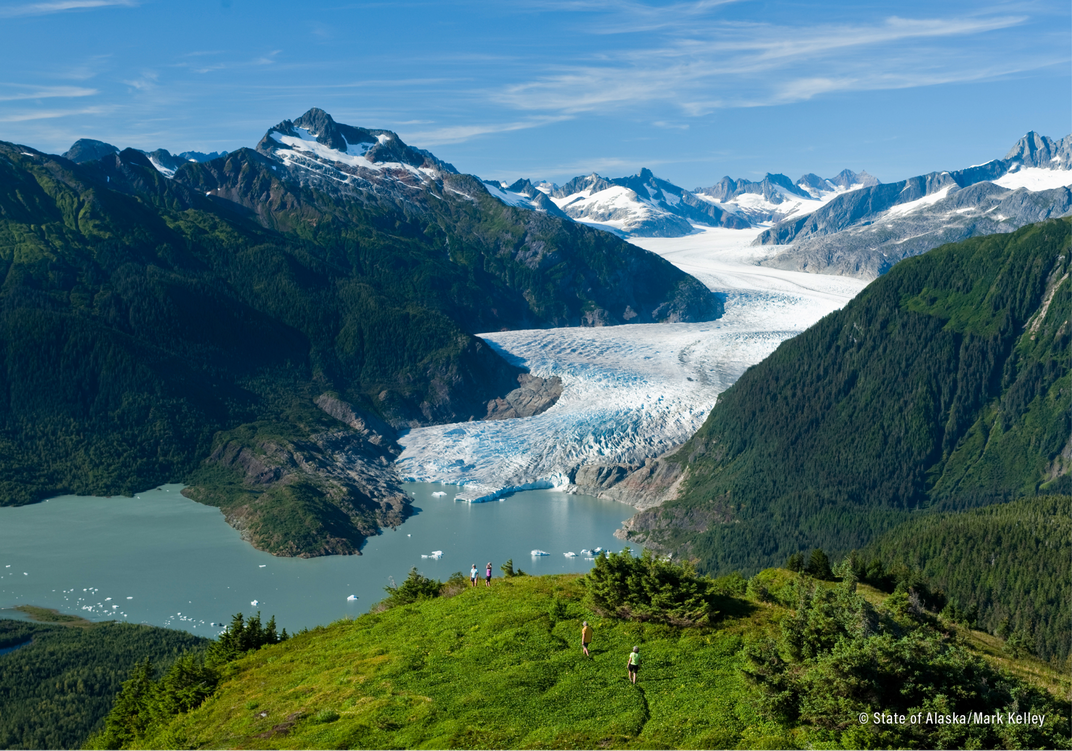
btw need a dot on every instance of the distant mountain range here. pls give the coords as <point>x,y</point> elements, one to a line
<point>646,206</point>
<point>89,150</point>
<point>848,224</point>
<point>864,232</point>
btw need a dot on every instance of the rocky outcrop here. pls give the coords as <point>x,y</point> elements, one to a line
<point>338,484</point>
<point>533,396</point>
<point>644,486</point>
<point>651,525</point>
<point>88,150</point>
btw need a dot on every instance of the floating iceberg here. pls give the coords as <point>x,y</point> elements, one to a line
<point>351,598</point>
<point>570,555</point>
<point>438,494</point>
<point>539,552</point>
<point>253,603</point>
<point>586,551</point>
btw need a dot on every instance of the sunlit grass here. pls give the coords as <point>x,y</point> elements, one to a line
<point>488,668</point>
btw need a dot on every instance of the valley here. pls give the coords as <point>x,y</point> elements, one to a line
<point>631,392</point>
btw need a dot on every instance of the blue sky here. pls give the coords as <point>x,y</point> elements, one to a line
<point>551,89</point>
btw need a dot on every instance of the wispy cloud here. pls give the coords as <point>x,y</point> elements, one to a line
<point>61,6</point>
<point>460,133</point>
<point>145,82</point>
<point>22,117</point>
<point>699,65</point>
<point>43,92</point>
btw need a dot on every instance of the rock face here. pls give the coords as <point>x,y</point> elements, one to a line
<point>345,473</point>
<point>532,396</point>
<point>644,486</point>
<point>88,150</point>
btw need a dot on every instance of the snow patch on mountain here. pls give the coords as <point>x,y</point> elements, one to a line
<point>304,145</point>
<point>629,392</point>
<point>161,168</point>
<point>909,206</point>
<point>1036,179</point>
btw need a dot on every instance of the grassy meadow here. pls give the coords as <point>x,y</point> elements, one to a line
<point>503,668</point>
<point>499,667</point>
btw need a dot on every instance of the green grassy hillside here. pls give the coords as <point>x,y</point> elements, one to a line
<point>503,668</point>
<point>945,384</point>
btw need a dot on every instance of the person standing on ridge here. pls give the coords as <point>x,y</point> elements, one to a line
<point>487,579</point>
<point>586,637</point>
<point>473,574</point>
<point>634,664</point>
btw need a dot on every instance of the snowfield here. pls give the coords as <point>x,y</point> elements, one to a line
<point>629,392</point>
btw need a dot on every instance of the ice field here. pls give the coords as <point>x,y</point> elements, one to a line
<point>629,392</point>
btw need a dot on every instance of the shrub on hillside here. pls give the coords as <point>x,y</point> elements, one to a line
<point>417,586</point>
<point>650,588</point>
<point>839,660</point>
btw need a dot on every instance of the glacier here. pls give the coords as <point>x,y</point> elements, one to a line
<point>629,392</point>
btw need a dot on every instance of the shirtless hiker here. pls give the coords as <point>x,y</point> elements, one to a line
<point>586,637</point>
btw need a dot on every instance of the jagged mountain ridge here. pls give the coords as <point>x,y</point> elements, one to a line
<point>864,232</point>
<point>644,205</point>
<point>90,150</point>
<point>846,224</point>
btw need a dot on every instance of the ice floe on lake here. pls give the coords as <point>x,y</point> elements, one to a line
<point>629,392</point>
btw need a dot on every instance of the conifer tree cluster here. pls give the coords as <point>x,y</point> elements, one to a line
<point>146,704</point>
<point>650,588</point>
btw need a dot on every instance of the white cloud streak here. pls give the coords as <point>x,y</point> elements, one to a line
<point>61,6</point>
<point>44,92</point>
<point>460,133</point>
<point>22,117</point>
<point>701,66</point>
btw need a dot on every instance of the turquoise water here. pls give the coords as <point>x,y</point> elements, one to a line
<point>160,558</point>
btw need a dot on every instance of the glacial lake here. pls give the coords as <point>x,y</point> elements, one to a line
<point>162,559</point>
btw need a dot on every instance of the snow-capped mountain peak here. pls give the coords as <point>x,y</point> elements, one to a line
<point>865,231</point>
<point>344,153</point>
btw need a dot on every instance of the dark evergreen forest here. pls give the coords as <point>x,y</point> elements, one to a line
<point>56,690</point>
<point>1005,568</point>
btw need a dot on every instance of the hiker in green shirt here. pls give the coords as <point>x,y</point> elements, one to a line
<point>634,664</point>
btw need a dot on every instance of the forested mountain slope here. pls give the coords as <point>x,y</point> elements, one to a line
<point>944,385</point>
<point>152,333</point>
<point>1006,567</point>
<point>59,683</point>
